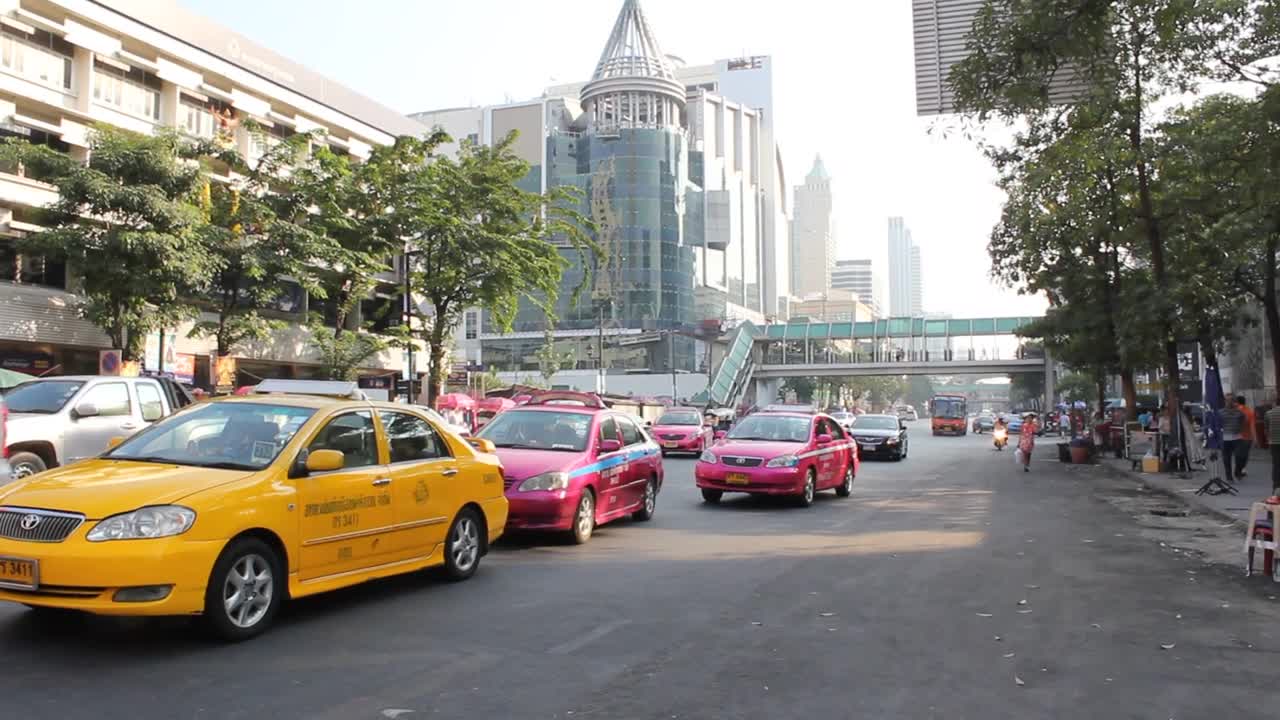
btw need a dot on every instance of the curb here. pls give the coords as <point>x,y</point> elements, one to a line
<point>1149,481</point>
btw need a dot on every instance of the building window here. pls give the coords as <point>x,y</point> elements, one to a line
<point>472,325</point>
<point>205,119</point>
<point>41,58</point>
<point>135,92</point>
<point>16,267</point>
<point>261,142</point>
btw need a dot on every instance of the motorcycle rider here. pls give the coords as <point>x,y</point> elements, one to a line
<point>1000,433</point>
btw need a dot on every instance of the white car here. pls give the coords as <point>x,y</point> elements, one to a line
<point>845,419</point>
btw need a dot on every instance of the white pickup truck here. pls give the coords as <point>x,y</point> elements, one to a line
<point>59,420</point>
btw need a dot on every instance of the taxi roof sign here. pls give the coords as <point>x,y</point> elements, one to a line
<point>338,389</point>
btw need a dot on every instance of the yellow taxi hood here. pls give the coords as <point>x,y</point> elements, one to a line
<point>101,488</point>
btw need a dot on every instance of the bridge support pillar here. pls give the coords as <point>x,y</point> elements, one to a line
<point>767,391</point>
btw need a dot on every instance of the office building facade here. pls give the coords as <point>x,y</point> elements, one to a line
<point>140,65</point>
<point>917,282</point>
<point>677,179</point>
<point>860,278</point>
<point>812,235</point>
<point>901,278</point>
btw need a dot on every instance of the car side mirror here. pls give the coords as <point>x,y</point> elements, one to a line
<point>483,445</point>
<point>85,410</point>
<point>720,435</point>
<point>648,424</point>
<point>825,439</point>
<point>319,461</point>
<point>114,442</point>
<point>609,446</point>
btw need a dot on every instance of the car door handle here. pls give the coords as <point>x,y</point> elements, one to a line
<point>382,482</point>
<point>129,426</point>
<point>450,472</point>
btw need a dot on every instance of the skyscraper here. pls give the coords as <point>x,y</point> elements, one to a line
<point>901,282</point>
<point>917,283</point>
<point>686,194</point>
<point>812,237</point>
<point>860,278</point>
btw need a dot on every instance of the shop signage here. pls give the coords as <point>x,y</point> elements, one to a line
<point>109,362</point>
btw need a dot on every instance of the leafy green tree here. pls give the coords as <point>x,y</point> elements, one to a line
<point>550,360</point>
<point>128,222</point>
<point>1124,56</point>
<point>256,232</point>
<point>343,353</point>
<point>475,238</point>
<point>1076,386</point>
<point>1221,168</point>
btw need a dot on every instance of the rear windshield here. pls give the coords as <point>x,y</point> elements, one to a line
<point>875,422</point>
<point>539,430</point>
<point>45,397</point>
<point>774,428</point>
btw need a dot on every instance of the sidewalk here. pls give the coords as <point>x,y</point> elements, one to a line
<point>1256,486</point>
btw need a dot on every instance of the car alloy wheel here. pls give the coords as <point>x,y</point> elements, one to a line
<point>464,545</point>
<point>846,488</point>
<point>649,504</point>
<point>810,489</point>
<point>247,591</point>
<point>584,520</point>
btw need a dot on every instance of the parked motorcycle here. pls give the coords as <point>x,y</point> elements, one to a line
<point>1000,438</point>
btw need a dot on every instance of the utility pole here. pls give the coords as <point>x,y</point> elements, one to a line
<point>671,359</point>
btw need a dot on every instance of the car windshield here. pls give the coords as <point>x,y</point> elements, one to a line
<point>233,436</point>
<point>539,430</point>
<point>43,397</point>
<point>680,418</point>
<point>774,428</point>
<point>875,422</point>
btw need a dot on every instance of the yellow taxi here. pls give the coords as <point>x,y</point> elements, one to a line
<point>229,507</point>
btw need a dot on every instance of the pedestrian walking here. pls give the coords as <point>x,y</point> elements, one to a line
<point>1232,433</point>
<point>1028,441</point>
<point>1272,420</point>
<point>1245,446</point>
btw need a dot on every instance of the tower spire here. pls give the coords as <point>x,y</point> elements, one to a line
<point>634,86</point>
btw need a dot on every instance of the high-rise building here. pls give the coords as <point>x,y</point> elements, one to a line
<point>917,283</point>
<point>812,237</point>
<point>860,278</point>
<point>901,283</point>
<point>686,196</point>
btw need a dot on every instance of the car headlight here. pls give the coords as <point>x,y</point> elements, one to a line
<point>892,441</point>
<point>784,461</point>
<point>546,481</point>
<point>709,457</point>
<point>145,523</point>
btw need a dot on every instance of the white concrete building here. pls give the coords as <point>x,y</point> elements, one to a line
<point>66,65</point>
<point>860,278</point>
<point>813,242</point>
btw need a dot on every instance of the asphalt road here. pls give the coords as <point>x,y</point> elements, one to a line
<point>903,601</point>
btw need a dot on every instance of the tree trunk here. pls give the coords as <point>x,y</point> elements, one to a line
<point>1129,389</point>
<point>134,345</point>
<point>1155,238</point>
<point>437,352</point>
<point>1102,391</point>
<point>1270,308</point>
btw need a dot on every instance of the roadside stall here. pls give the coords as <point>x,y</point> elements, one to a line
<point>459,411</point>
<point>489,408</point>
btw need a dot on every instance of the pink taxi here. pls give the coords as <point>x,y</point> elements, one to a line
<point>571,464</point>
<point>780,453</point>
<point>682,430</point>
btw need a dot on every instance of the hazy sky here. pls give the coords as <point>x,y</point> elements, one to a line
<point>843,79</point>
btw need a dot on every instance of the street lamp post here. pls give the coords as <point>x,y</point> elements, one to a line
<point>408,319</point>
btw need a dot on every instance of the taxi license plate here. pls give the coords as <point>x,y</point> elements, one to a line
<point>19,573</point>
<point>737,479</point>
<point>671,444</point>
